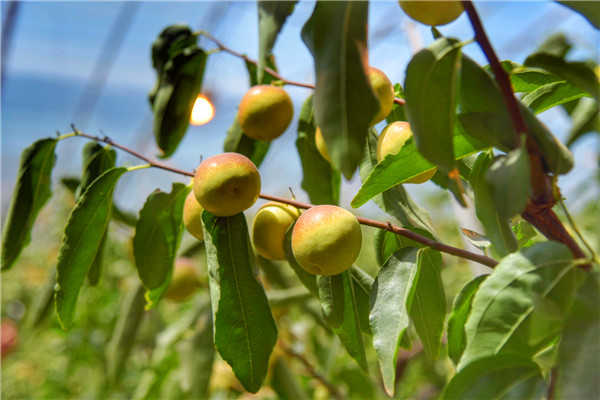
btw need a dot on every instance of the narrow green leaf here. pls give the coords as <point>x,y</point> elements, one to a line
<point>96,160</point>
<point>578,74</point>
<point>172,40</point>
<point>387,243</point>
<point>123,335</point>
<point>345,104</point>
<point>83,235</point>
<point>482,112</point>
<point>42,302</point>
<point>461,309</point>
<point>196,356</point>
<point>528,79</point>
<point>496,227</point>
<point>579,348</point>
<point>267,78</point>
<point>552,95</point>
<point>391,300</point>
<point>245,331</point>
<point>588,9</point>
<point>584,120</point>
<point>157,237</point>
<point>271,17</point>
<point>362,284</point>
<point>175,97</point>
<point>497,377</point>
<point>338,304</point>
<point>428,309</point>
<point>236,141</point>
<point>521,307</point>
<point>394,201</point>
<point>430,89</point>
<point>509,178</point>
<point>556,44</point>
<point>397,168</point>
<point>308,280</point>
<point>285,382</point>
<point>319,179</point>
<point>31,192</point>
<point>398,112</point>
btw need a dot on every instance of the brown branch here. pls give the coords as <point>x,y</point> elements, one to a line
<point>444,248</point>
<point>552,384</point>
<point>270,71</point>
<point>539,209</point>
<point>311,370</point>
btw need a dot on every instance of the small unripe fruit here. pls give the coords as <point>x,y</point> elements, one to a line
<point>432,13</point>
<point>192,216</point>
<point>265,112</point>
<point>269,227</point>
<point>227,184</point>
<point>392,140</point>
<point>384,91</point>
<point>320,143</point>
<point>326,240</point>
<point>184,282</point>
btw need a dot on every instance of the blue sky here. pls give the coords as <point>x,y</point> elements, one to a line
<point>56,45</point>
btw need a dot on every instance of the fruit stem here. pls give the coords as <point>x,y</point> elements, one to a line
<point>444,248</point>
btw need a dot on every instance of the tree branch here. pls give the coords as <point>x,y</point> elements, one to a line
<point>539,209</point>
<point>270,71</point>
<point>444,248</point>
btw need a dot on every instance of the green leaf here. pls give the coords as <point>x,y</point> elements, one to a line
<point>398,112</point>
<point>579,348</point>
<point>180,84</point>
<point>96,160</point>
<point>387,243</point>
<point>81,241</point>
<point>391,300</point>
<point>123,336</point>
<point>196,356</point>
<point>461,309</point>
<point>340,312</point>
<point>482,111</point>
<point>588,9</point>
<point>397,168</point>
<point>584,120</point>
<point>528,79</point>
<point>494,377</point>
<point>344,102</point>
<point>308,280</point>
<point>362,284</point>
<point>42,301</point>
<point>524,232</point>
<point>430,89</point>
<point>271,17</point>
<point>428,309</point>
<point>520,308</point>
<point>578,74</point>
<point>236,141</point>
<point>285,382</point>
<point>31,192</point>
<point>394,201</point>
<point>551,95</point>
<point>157,237</point>
<point>172,40</point>
<point>556,44</point>
<point>245,331</point>
<point>509,178</point>
<point>319,179</point>
<point>496,227</point>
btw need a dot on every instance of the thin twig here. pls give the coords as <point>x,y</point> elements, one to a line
<point>311,370</point>
<point>577,231</point>
<point>270,71</point>
<point>444,248</point>
<point>552,384</point>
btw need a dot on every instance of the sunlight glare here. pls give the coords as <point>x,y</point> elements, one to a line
<point>203,111</point>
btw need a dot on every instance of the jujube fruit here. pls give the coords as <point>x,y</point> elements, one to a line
<point>432,13</point>
<point>184,282</point>
<point>265,112</point>
<point>392,139</point>
<point>384,91</point>
<point>320,143</point>
<point>269,227</point>
<point>227,184</point>
<point>326,240</point>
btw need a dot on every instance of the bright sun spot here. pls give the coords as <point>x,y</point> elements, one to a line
<point>202,112</point>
